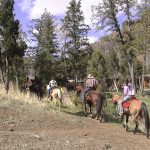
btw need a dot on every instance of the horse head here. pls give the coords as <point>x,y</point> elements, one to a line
<point>115,99</point>
<point>79,88</point>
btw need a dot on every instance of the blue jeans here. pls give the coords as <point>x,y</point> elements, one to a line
<point>120,107</point>
<point>83,93</point>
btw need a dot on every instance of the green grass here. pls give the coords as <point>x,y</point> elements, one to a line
<point>109,111</point>
<point>146,100</point>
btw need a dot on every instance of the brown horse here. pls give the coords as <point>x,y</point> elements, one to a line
<point>93,99</point>
<point>79,88</point>
<point>134,108</point>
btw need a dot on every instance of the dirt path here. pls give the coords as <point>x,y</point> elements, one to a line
<point>23,127</point>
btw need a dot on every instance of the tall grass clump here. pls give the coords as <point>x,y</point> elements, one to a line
<point>70,100</point>
<point>14,93</point>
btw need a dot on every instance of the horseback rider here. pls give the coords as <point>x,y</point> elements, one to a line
<point>90,85</point>
<point>52,85</point>
<point>129,92</point>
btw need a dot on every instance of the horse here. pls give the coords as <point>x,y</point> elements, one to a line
<point>57,96</point>
<point>79,88</point>
<point>70,86</point>
<point>136,109</point>
<point>93,99</point>
<point>34,86</point>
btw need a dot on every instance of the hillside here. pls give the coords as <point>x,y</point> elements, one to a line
<point>34,126</point>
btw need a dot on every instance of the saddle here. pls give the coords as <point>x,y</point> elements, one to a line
<point>126,104</point>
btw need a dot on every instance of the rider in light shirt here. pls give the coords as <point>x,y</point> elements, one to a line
<point>128,93</point>
<point>52,84</point>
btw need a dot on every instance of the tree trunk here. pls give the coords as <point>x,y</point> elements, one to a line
<point>143,74</point>
<point>131,68</point>
<point>1,73</point>
<point>115,84</point>
<point>76,78</point>
<point>140,86</point>
<point>6,82</point>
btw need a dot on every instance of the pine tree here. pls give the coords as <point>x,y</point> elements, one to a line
<point>9,47</point>
<point>43,31</point>
<point>75,31</point>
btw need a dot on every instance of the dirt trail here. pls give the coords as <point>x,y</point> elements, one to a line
<point>23,127</point>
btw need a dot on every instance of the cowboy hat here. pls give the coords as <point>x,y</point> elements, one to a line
<point>90,76</point>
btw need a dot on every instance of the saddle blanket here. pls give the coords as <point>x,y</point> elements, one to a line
<point>127,103</point>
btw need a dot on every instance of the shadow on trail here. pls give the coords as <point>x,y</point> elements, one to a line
<point>108,118</point>
<point>111,118</point>
<point>79,113</point>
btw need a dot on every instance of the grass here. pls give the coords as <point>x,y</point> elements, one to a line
<point>72,104</point>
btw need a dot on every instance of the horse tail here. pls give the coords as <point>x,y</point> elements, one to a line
<point>100,105</point>
<point>60,95</point>
<point>146,117</point>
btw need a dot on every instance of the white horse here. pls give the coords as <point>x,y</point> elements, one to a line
<point>56,96</point>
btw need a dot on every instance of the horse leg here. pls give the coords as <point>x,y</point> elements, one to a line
<point>127,119</point>
<point>136,124</point>
<point>99,108</point>
<point>61,101</point>
<point>98,117</point>
<point>50,96</point>
<point>85,109</point>
<point>91,111</point>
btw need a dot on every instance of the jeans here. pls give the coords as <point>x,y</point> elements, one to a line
<point>120,107</point>
<point>83,93</point>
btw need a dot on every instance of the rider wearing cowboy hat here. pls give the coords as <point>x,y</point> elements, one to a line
<point>90,83</point>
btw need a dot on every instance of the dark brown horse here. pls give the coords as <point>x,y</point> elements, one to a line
<point>136,109</point>
<point>92,99</point>
<point>34,86</point>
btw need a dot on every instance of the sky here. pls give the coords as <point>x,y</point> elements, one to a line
<point>26,10</point>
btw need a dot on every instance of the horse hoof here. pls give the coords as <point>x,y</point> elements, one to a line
<point>147,137</point>
<point>134,132</point>
<point>124,126</point>
<point>127,129</point>
<point>102,121</point>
